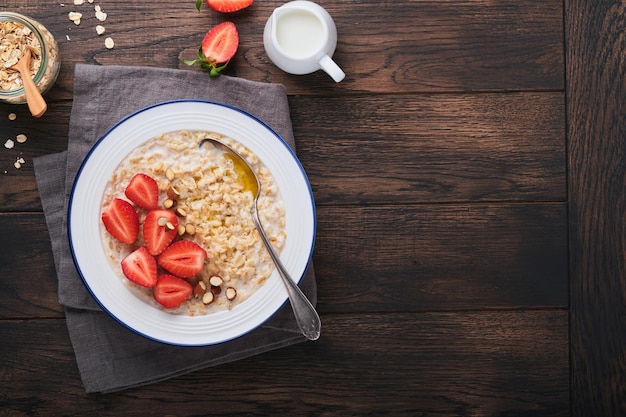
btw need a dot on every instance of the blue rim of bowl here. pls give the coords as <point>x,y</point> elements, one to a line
<point>106,134</point>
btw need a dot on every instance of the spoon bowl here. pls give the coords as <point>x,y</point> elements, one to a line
<point>36,103</point>
<point>307,318</point>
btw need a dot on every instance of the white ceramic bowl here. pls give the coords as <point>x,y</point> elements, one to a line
<point>84,213</point>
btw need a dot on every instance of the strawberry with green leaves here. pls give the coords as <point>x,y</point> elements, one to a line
<point>218,47</point>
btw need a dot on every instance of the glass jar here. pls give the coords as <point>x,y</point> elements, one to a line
<point>18,32</point>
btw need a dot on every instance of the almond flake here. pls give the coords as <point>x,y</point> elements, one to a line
<point>108,42</point>
<point>78,2</point>
<point>12,116</point>
<point>21,138</point>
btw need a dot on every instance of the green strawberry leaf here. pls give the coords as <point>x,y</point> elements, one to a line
<point>198,4</point>
<point>190,62</point>
<point>216,71</point>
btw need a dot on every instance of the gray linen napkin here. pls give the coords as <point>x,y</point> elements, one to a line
<point>111,357</point>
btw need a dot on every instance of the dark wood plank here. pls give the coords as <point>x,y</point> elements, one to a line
<point>441,257</point>
<point>597,160</point>
<point>470,364</point>
<point>433,148</point>
<point>437,258</point>
<point>398,46</point>
<point>45,135</point>
<point>29,284</point>
<point>424,148</point>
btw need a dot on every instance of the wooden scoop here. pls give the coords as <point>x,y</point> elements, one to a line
<point>36,104</point>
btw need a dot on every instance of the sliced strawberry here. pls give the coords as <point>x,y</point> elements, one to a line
<point>120,219</point>
<point>227,6</point>
<point>159,229</point>
<point>140,267</point>
<point>143,190</point>
<point>218,47</point>
<point>220,43</point>
<point>183,258</point>
<point>171,291</point>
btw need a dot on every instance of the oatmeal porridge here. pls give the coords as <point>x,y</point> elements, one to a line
<point>211,204</point>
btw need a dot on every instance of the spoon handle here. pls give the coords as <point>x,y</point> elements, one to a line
<point>306,316</point>
<point>36,103</point>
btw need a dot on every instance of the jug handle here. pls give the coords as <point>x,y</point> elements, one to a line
<point>331,68</point>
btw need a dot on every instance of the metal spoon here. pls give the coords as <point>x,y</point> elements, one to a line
<point>36,104</point>
<point>306,316</point>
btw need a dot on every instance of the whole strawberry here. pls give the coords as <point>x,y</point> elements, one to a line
<point>218,47</point>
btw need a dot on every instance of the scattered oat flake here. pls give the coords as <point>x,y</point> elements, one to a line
<point>100,30</point>
<point>9,144</point>
<point>75,17</point>
<point>21,138</point>
<point>19,162</point>
<point>78,2</point>
<point>67,37</point>
<point>108,42</point>
<point>12,116</point>
<point>101,16</point>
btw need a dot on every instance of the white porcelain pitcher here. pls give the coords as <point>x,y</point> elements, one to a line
<point>300,37</point>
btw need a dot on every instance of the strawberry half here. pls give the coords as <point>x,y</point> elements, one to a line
<point>120,219</point>
<point>143,190</point>
<point>218,47</point>
<point>183,259</point>
<point>171,291</point>
<point>159,230</point>
<point>140,267</point>
<point>228,6</point>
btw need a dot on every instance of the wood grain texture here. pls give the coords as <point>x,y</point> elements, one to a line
<point>441,257</point>
<point>439,168</point>
<point>29,285</point>
<point>389,46</point>
<point>46,135</point>
<point>597,160</point>
<point>469,364</point>
<point>426,148</point>
<point>433,148</point>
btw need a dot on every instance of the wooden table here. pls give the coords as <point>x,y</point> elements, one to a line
<point>469,179</point>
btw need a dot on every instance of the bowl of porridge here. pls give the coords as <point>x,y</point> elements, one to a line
<point>160,228</point>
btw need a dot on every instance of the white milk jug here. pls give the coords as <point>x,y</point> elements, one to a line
<point>300,37</point>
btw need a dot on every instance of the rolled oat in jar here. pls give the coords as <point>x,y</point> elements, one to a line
<point>18,33</point>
